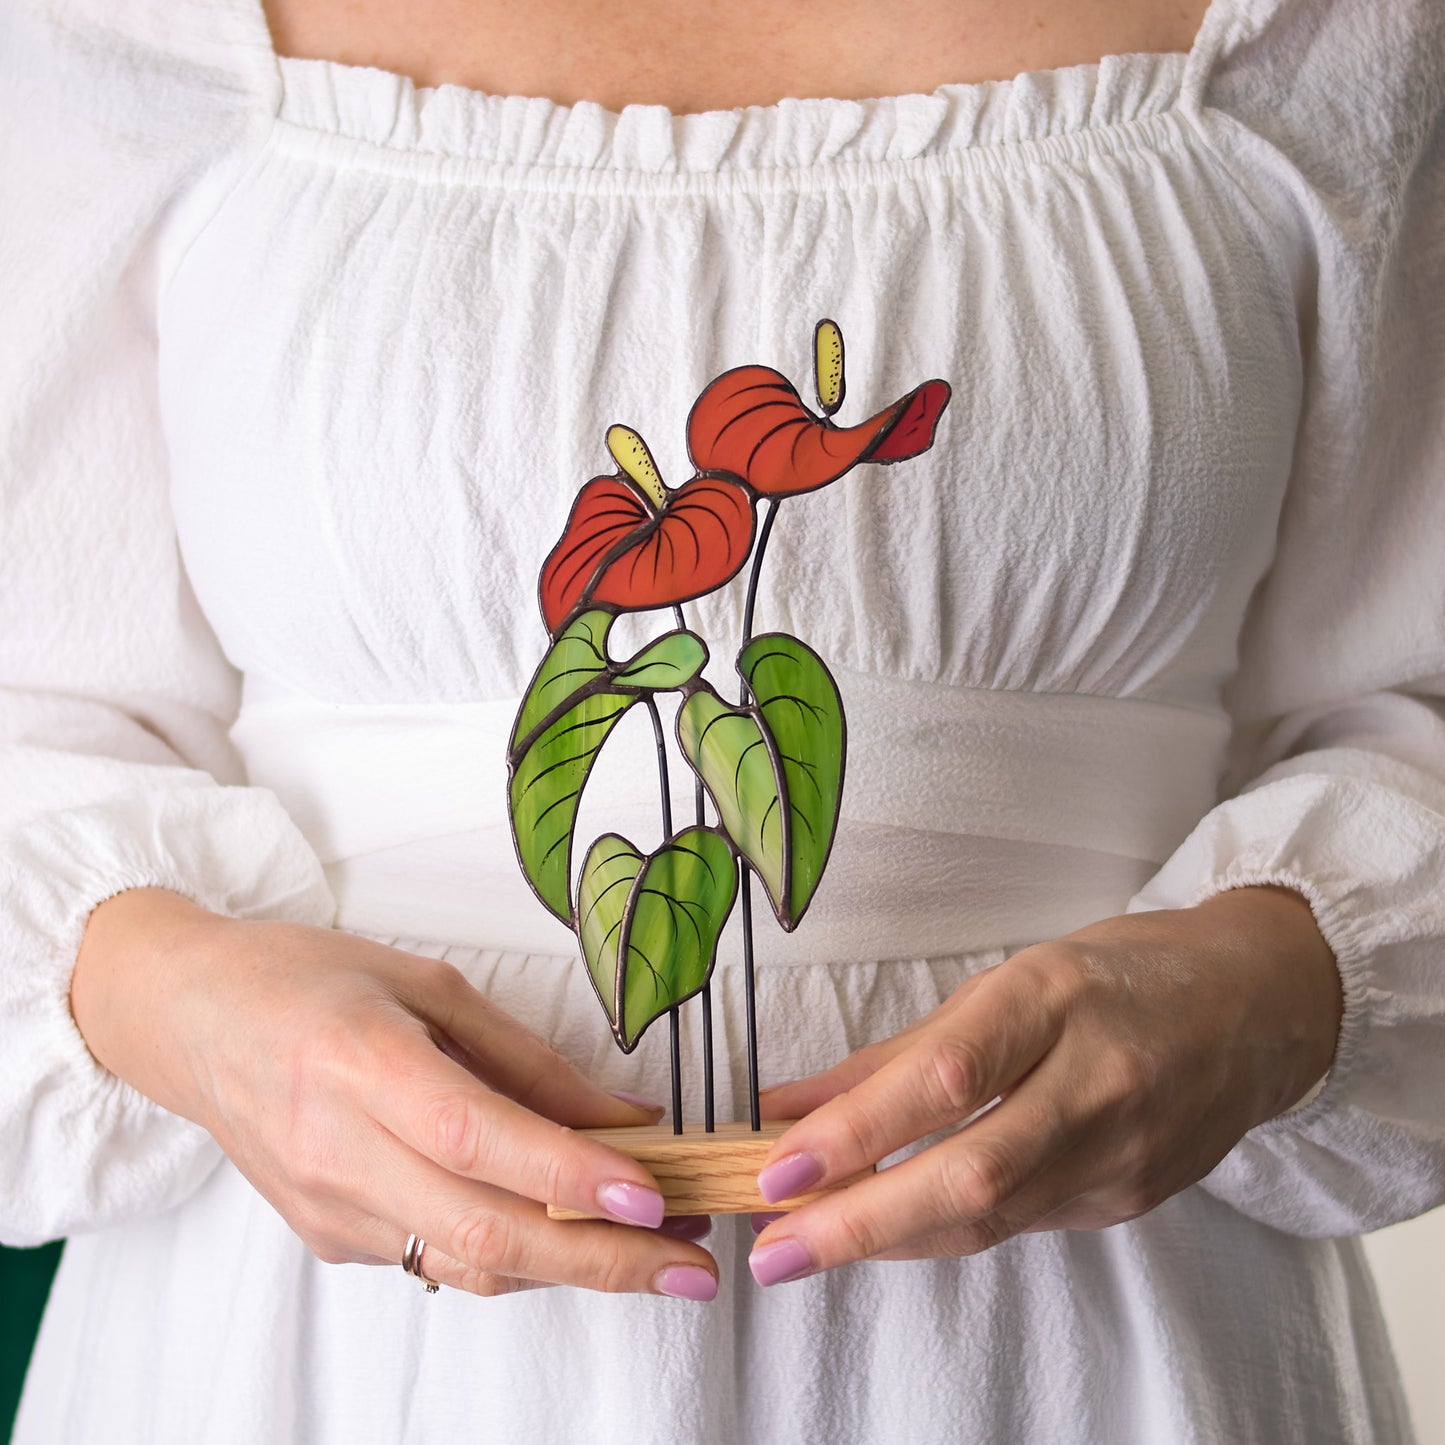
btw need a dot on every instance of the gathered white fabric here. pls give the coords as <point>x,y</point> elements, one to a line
<point>303,368</point>
<point>957,801</point>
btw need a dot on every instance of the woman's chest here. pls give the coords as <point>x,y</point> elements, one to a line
<point>383,391</point>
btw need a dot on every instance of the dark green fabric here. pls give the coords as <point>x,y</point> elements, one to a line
<point>25,1276</point>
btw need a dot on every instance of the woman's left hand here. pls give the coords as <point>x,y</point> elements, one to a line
<point>1127,1058</point>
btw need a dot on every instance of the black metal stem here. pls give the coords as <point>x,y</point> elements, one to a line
<point>662,778</point>
<point>745,882</point>
<point>708,1113</point>
<point>749,996</point>
<point>764,533</point>
<point>676,1071</point>
<point>705,1001</point>
<point>666,787</point>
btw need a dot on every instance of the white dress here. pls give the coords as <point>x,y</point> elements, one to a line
<point>302,369</point>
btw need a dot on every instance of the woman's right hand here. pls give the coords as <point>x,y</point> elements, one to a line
<point>368,1093</point>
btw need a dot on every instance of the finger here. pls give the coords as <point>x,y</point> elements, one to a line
<point>966,1057</point>
<point>801,1096</point>
<point>970,1180</point>
<point>442,1269</point>
<point>339,1231</point>
<point>510,1057</point>
<point>794,1098</point>
<point>486,1231</point>
<point>1056,1198</point>
<point>1083,1211</point>
<point>686,1226</point>
<point>437,1108</point>
<point>366,1236</point>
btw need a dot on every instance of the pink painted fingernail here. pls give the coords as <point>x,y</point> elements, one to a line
<point>789,1176</point>
<point>632,1203</point>
<point>774,1263</point>
<point>637,1101</point>
<point>761,1220</point>
<point>686,1226</point>
<point>686,1281</point>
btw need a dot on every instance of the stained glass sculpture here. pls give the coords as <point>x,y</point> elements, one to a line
<point>769,767</point>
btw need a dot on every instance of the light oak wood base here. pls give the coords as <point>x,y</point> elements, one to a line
<point>702,1173</point>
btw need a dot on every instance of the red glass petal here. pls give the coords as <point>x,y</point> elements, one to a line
<point>913,432</point>
<point>606,511</point>
<point>817,456</point>
<point>752,422</point>
<point>700,540</point>
<point>740,413</point>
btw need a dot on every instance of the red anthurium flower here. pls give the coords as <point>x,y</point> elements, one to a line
<point>623,549</point>
<point>752,423</point>
<point>633,544</point>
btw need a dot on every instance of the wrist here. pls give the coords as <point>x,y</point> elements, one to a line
<point>1293,982</point>
<point>124,977</point>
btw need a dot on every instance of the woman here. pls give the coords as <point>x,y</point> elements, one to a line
<point>310,363</point>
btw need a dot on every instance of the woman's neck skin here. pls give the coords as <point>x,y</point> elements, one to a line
<point>696,56</point>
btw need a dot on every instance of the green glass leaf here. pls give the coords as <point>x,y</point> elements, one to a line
<point>649,927</point>
<point>608,873</point>
<point>801,709</point>
<point>666,665</point>
<point>577,657</point>
<point>546,790</point>
<point>774,768</point>
<point>577,697</point>
<point>678,910</point>
<point>727,749</point>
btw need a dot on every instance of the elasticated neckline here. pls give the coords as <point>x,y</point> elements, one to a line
<point>381,109</point>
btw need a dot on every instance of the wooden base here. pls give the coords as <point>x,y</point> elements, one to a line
<point>702,1173</point>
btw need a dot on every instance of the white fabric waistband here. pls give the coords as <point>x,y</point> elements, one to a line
<point>971,819</point>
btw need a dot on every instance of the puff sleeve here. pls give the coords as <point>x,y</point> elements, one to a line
<point>1338,696</point>
<point>115,699</point>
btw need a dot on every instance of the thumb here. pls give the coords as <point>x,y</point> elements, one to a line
<point>801,1096</point>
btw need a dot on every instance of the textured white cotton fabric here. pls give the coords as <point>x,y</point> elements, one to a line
<point>302,369</point>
